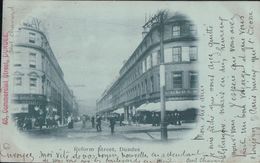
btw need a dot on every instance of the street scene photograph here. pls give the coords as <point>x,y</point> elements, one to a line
<point>98,73</point>
<point>130,81</point>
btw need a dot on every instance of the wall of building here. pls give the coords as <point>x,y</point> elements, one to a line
<point>134,85</point>
<point>37,77</point>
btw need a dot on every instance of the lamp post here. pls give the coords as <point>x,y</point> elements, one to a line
<point>164,135</point>
<point>160,20</point>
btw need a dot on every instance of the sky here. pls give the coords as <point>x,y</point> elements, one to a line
<point>91,40</point>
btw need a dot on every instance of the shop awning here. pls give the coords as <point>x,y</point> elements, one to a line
<point>181,105</point>
<point>170,106</point>
<point>149,107</point>
<point>119,111</point>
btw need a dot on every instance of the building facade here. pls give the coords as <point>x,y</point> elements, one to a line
<point>39,88</point>
<point>139,80</point>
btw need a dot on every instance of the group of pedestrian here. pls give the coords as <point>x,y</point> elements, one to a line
<point>96,122</point>
<point>174,118</point>
<point>155,119</point>
<point>30,122</point>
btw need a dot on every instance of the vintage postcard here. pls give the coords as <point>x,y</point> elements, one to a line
<point>130,82</point>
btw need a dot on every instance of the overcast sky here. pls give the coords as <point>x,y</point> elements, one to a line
<point>92,39</point>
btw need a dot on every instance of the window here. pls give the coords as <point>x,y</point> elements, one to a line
<point>152,84</point>
<point>138,90</point>
<point>158,56</point>
<point>143,88</point>
<point>42,41</point>
<point>146,86</point>
<point>194,80</point>
<point>18,81</point>
<point>17,65</point>
<point>32,60</point>
<point>158,82</point>
<point>185,54</point>
<point>177,54</point>
<point>43,63</point>
<point>168,55</point>
<point>176,31</point>
<point>145,44</point>
<point>193,53</point>
<point>155,58</point>
<point>148,61</point>
<point>33,82</point>
<point>144,66</point>
<point>177,80</point>
<point>18,59</point>
<point>193,29</point>
<point>31,37</point>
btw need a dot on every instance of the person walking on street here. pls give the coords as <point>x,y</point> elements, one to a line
<point>93,121</point>
<point>112,125</point>
<point>83,121</point>
<point>98,120</point>
<point>153,119</point>
<point>121,118</point>
<point>70,122</point>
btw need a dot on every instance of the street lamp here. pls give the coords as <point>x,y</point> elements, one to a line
<point>164,135</point>
<point>160,20</point>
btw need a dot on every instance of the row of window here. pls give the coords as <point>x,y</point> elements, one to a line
<point>45,45</point>
<point>177,31</point>
<point>32,82</point>
<point>32,60</point>
<point>152,84</point>
<point>171,55</point>
<point>32,39</point>
<point>175,54</point>
<point>177,80</point>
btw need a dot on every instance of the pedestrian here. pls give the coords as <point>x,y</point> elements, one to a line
<point>93,121</point>
<point>27,123</point>
<point>134,119</point>
<point>137,117</point>
<point>84,121</point>
<point>41,121</point>
<point>48,121</point>
<point>121,118</point>
<point>70,122</point>
<point>98,120</point>
<point>112,125</point>
<point>178,119</point>
<point>153,119</point>
<point>157,119</point>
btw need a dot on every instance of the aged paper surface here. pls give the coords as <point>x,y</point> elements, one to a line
<point>149,82</point>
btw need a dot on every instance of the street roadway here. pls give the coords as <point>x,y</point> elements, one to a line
<point>133,132</point>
